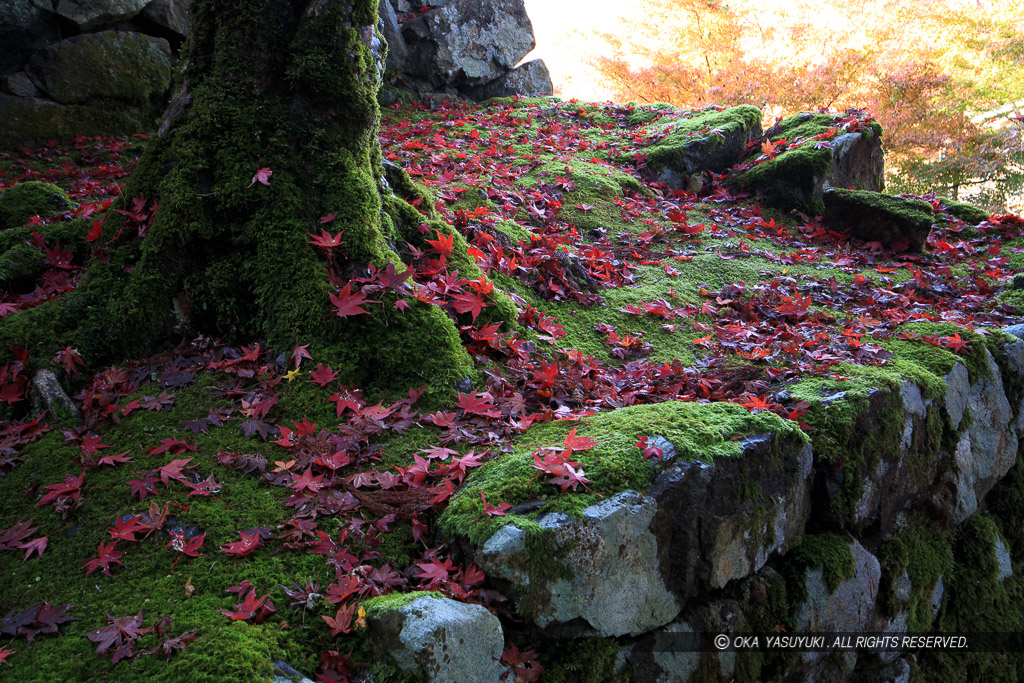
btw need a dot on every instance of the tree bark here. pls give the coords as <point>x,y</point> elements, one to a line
<point>288,85</point>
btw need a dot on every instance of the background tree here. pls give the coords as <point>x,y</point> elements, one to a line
<point>944,79</point>
<point>271,135</point>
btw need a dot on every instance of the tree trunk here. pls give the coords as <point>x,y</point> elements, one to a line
<point>287,85</point>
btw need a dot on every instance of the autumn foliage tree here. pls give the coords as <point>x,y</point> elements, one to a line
<point>944,79</point>
<point>260,198</point>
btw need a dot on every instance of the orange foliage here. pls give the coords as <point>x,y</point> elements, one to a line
<point>932,73</point>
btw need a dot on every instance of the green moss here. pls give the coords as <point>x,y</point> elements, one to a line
<point>926,556</point>
<point>238,251</point>
<point>690,137</point>
<point>148,580</point>
<point>767,608</point>
<point>513,231</point>
<point>109,65</point>
<point>393,601</point>
<point>828,552</point>
<point>914,211</point>
<point>20,266</point>
<point>1006,504</point>
<point>977,602</point>
<point>794,178</point>
<point>589,660</point>
<point>702,432</point>
<point>595,185</point>
<point>968,213</point>
<point>791,178</point>
<point>940,360</point>
<point>235,651</point>
<point>31,198</point>
<point>854,425</point>
<point>642,115</point>
<point>858,422</point>
<point>524,102</point>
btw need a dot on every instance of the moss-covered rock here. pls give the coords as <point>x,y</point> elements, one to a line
<point>33,120</point>
<point>896,223</point>
<point>427,637</point>
<point>821,151</point>
<point>705,140</point>
<point>735,491</point>
<point>23,201</point>
<point>968,213</point>
<point>112,66</point>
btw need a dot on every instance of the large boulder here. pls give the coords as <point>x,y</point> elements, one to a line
<point>733,491</point>
<point>987,447</point>
<point>531,79</point>
<point>435,638</point>
<point>701,140</point>
<point>613,580</point>
<point>722,522</point>
<point>398,53</point>
<point>92,14</point>
<point>169,14</point>
<point>819,151</point>
<point>112,65</point>
<point>33,120</point>
<point>467,42</point>
<point>24,28</point>
<point>895,223</point>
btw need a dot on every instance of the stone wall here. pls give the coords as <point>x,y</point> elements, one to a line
<point>77,67</point>
<point>90,67</point>
<point>899,512</point>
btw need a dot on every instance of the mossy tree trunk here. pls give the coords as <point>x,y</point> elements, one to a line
<point>288,85</point>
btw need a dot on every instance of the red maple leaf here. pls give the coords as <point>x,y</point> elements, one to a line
<point>325,239</point>
<point>443,245</point>
<point>125,529</point>
<point>570,479</point>
<point>115,459</point>
<point>143,487</point>
<point>36,545</point>
<point>105,555</point>
<point>307,481</point>
<point>250,541</point>
<point>250,608</point>
<point>175,469</point>
<point>525,667</point>
<point>341,622</point>
<point>954,343</point>
<point>478,404</point>
<point>323,376</point>
<point>348,303</point>
<point>69,359</point>
<point>470,302</point>
<point>69,487</point>
<point>92,444</point>
<point>578,443</point>
<point>206,487</point>
<point>172,446</point>
<point>97,229</point>
<point>300,353</point>
<point>436,571</point>
<point>12,392</point>
<point>262,176</point>
<point>494,511</point>
<point>186,546</point>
